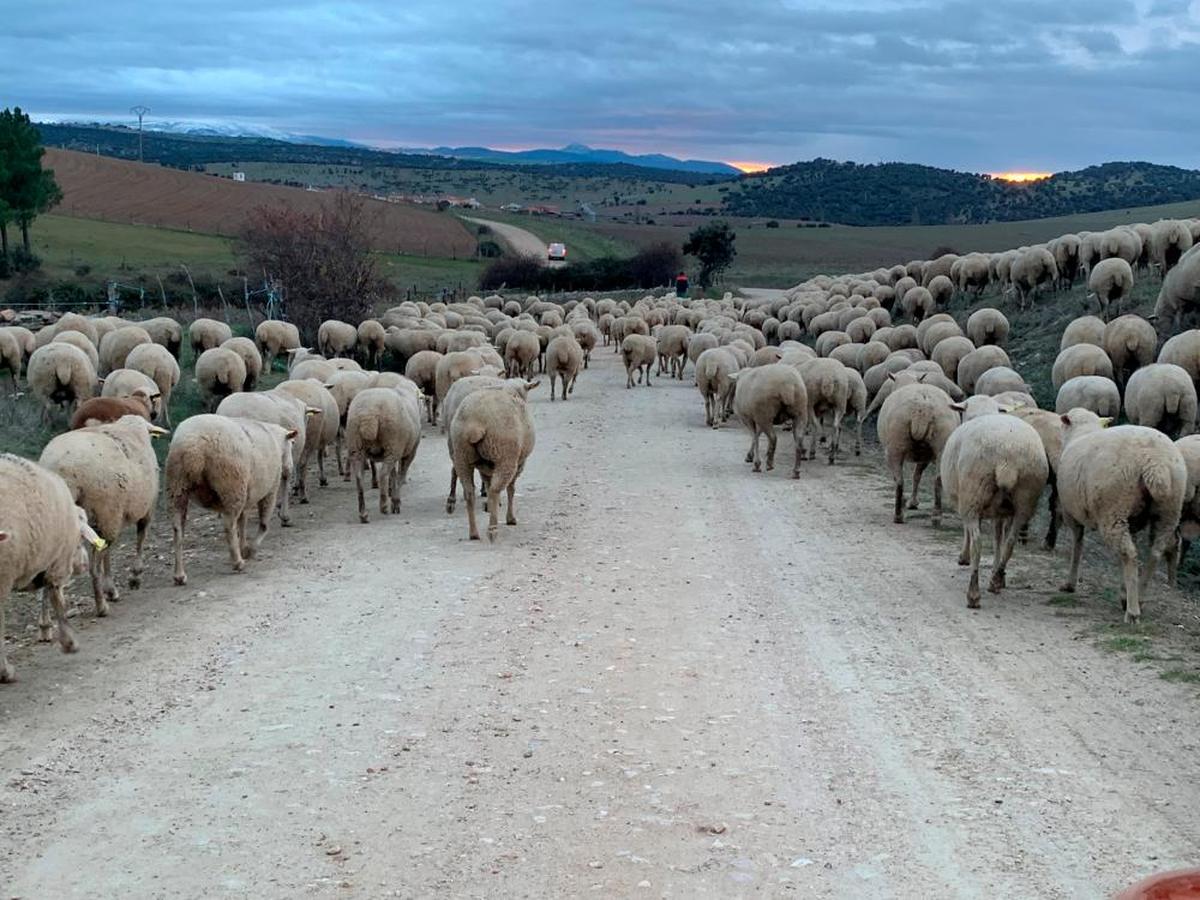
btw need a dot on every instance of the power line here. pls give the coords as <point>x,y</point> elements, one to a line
<point>140,112</point>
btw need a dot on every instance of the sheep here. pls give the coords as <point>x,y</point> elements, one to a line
<point>372,339</point>
<point>830,340</point>
<point>449,369</point>
<point>455,341</point>
<point>988,326</point>
<point>1180,291</point>
<point>1130,342</point>
<point>917,303</point>
<point>768,395</point>
<point>228,465</point>
<point>112,473</point>
<point>973,272</point>
<point>1091,392</point>
<point>935,267</point>
<point>383,426</point>
<point>926,376</point>
<point>141,401</point>
<point>275,338</point>
<point>1117,481</point>
<point>80,341</point>
<point>587,336</point>
<point>493,433</point>
<point>117,344</point>
<point>403,343</point>
<point>313,367</point>
<point>207,334</point>
<point>698,344</point>
<point>320,431</point>
<point>1084,330</point>
<point>165,332</point>
<point>246,349</point>
<point>1119,243</point>
<point>915,421</point>
<point>156,363</point>
<point>60,374</point>
<point>1109,282</point>
<point>10,357</point>
<point>937,333</point>
<point>521,354</point>
<point>978,361</point>
<point>672,350</point>
<point>287,411</point>
<point>1030,271</point>
<point>713,368</point>
<point>1162,396</point>
<point>902,337</point>
<point>74,322</point>
<point>219,373</point>
<point>1170,239</point>
<point>828,393</point>
<point>1080,359</point>
<point>1183,350</point>
<point>336,338</point>
<point>941,289</point>
<point>639,353</point>
<point>1189,521</point>
<point>564,358</point>
<point>949,353</point>
<point>41,537</point>
<point>999,380</point>
<point>993,467</point>
<point>1066,250</point>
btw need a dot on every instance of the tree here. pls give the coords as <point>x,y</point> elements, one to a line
<point>712,244</point>
<point>26,189</point>
<point>322,259</point>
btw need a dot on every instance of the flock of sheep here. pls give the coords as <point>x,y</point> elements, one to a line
<point>946,395</point>
<point>470,364</point>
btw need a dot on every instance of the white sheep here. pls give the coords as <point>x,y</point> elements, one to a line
<point>564,359</point>
<point>915,421</point>
<point>1110,282</point>
<point>992,467</point>
<point>275,338</point>
<point>231,466</point>
<point>42,533</point>
<point>1117,481</point>
<point>765,395</point>
<point>205,334</point>
<point>1092,392</point>
<point>60,375</point>
<point>1130,342</point>
<point>1080,359</point>
<point>1084,330</point>
<point>156,363</point>
<point>1162,396</point>
<point>321,431</point>
<point>112,473</point>
<point>988,326</point>
<point>251,359</point>
<point>383,427</point>
<point>219,373</point>
<point>336,338</point>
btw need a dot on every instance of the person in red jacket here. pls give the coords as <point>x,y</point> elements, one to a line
<point>681,284</point>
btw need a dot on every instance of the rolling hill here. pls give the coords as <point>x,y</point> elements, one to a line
<point>906,194</point>
<point>112,190</point>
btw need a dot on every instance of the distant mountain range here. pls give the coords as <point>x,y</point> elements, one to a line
<point>572,154</point>
<point>582,154</point>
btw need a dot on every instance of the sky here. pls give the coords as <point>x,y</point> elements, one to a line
<point>981,86</point>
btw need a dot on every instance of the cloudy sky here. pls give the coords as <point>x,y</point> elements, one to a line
<point>1001,85</point>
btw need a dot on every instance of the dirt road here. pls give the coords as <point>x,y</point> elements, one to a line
<point>673,679</point>
<point>519,241</point>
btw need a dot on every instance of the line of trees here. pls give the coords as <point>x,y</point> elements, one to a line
<point>26,189</point>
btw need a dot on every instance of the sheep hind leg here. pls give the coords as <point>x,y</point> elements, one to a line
<point>501,480</point>
<point>937,501</point>
<point>384,484</point>
<point>752,453</point>
<point>66,637</point>
<point>836,440</point>
<point>355,465</point>
<point>1163,542</point>
<point>1117,536</point>
<point>96,570</point>
<point>265,507</point>
<point>797,434</point>
<point>45,626</point>
<point>233,537</point>
<point>138,566</point>
<point>772,440</point>
<point>510,509</point>
<point>1003,553</point>
<point>321,479</point>
<point>971,534</point>
<point>468,485</point>
<point>7,672</point>
<point>1051,539</point>
<point>918,472</point>
<point>178,524</point>
<point>1069,585</point>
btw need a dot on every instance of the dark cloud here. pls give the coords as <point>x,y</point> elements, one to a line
<point>1029,83</point>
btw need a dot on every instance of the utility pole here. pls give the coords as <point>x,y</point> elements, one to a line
<point>140,112</point>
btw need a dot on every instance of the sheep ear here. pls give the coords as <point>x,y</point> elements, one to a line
<point>291,434</point>
<point>924,375</point>
<point>1105,421</point>
<point>310,411</point>
<point>891,376</point>
<point>530,385</point>
<point>3,536</point>
<point>156,431</point>
<point>1066,420</point>
<point>959,407</point>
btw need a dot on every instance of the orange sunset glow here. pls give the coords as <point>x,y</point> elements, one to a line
<point>1020,176</point>
<point>746,166</point>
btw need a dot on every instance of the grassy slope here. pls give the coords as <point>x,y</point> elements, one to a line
<point>127,253</point>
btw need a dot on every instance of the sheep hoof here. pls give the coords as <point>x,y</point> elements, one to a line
<point>997,583</point>
<point>324,482</point>
<point>492,535</point>
<point>364,518</point>
<point>395,507</point>
<point>45,634</point>
<point>1067,588</point>
<point>303,501</point>
<point>964,561</point>
<point>239,566</point>
<point>757,467</point>
<point>180,580</point>
<point>770,467</point>
<point>474,537</point>
<point>1131,619</point>
<point>972,603</point>
<point>450,506</point>
<point>1048,546</point>
<point>898,519</point>
<point>286,523</point>
<point>7,674</point>
<point>67,642</point>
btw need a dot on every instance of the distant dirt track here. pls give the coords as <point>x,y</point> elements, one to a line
<point>113,190</point>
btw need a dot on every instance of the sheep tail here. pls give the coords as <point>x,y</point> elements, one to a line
<point>1007,475</point>
<point>369,429</point>
<point>1171,402</point>
<point>63,372</point>
<point>1156,477</point>
<point>918,428</point>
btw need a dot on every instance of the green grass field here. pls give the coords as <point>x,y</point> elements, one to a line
<point>90,253</point>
